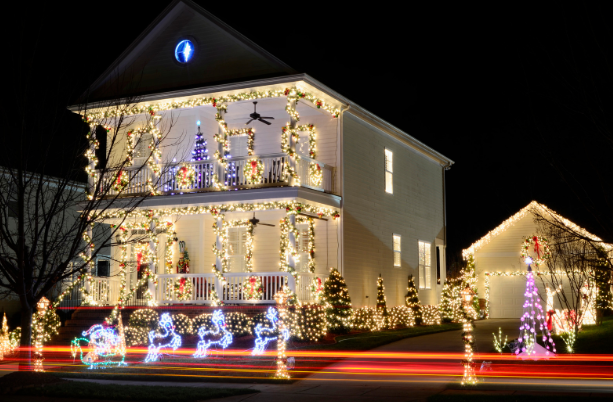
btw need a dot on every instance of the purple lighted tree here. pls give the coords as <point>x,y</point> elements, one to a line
<point>200,152</point>
<point>533,321</point>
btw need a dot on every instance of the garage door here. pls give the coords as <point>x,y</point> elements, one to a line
<point>507,296</point>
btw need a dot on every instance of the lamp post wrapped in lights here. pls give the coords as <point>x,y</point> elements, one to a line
<point>41,307</point>
<point>467,336</point>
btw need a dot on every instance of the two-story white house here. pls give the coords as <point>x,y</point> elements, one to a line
<point>307,181</point>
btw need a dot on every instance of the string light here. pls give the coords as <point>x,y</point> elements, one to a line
<point>104,345</point>
<point>337,303</point>
<point>167,330</point>
<point>219,331</point>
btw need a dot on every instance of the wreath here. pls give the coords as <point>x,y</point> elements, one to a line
<point>183,289</point>
<point>121,181</point>
<point>316,174</point>
<point>186,176</point>
<point>257,170</point>
<point>317,288</point>
<point>541,249</point>
<point>253,288</point>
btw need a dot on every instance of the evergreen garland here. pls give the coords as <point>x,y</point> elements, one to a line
<point>412,300</point>
<point>337,303</point>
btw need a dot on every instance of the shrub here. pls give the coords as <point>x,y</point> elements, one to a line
<point>146,319</point>
<point>308,322</point>
<point>136,336</point>
<point>238,324</point>
<point>337,302</point>
<point>430,315</point>
<point>203,320</point>
<point>364,319</point>
<point>401,316</point>
<point>183,324</point>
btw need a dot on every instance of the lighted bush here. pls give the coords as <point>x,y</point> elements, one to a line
<point>146,319</point>
<point>203,320</point>
<point>308,322</point>
<point>183,324</point>
<point>238,324</point>
<point>401,316</point>
<point>363,319</point>
<point>430,315</point>
<point>136,336</point>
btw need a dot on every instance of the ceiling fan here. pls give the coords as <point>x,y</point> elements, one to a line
<point>255,222</point>
<point>256,116</point>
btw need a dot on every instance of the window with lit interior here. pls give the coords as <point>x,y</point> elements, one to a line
<point>397,255</point>
<point>425,265</point>
<point>389,172</point>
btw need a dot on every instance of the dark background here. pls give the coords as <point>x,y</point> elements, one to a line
<point>493,87</point>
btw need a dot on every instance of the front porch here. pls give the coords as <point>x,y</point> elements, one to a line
<point>172,289</point>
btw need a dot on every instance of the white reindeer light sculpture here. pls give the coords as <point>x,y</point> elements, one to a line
<point>219,335</point>
<point>265,334</point>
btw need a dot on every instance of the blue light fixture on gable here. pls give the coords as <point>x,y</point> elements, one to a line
<point>184,51</point>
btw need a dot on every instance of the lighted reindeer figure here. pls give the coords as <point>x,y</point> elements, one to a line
<point>266,334</point>
<point>219,335</point>
<point>104,345</point>
<point>167,330</point>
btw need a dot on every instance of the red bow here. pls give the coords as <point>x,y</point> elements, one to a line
<point>537,247</point>
<point>182,285</point>
<point>252,282</point>
<point>550,314</point>
<point>318,284</point>
<point>139,257</point>
<point>254,168</point>
<point>119,178</point>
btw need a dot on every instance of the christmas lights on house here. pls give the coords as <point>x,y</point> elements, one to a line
<point>169,339</point>
<point>219,335</point>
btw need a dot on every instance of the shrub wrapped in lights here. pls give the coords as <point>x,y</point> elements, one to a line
<point>337,302</point>
<point>308,322</point>
<point>140,323</point>
<point>238,324</point>
<point>401,316</point>
<point>412,299</point>
<point>363,319</point>
<point>430,315</point>
<point>183,324</point>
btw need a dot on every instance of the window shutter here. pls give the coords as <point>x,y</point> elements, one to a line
<point>237,248</point>
<point>421,276</point>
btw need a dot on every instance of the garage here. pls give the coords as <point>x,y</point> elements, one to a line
<point>507,296</point>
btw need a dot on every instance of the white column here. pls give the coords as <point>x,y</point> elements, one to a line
<point>90,234</point>
<point>292,144</point>
<point>219,169</point>
<point>152,266</point>
<point>292,242</point>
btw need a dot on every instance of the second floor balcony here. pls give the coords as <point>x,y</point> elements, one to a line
<point>241,173</point>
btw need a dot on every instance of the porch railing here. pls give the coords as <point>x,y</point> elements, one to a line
<point>305,283</point>
<point>238,175</point>
<point>104,290</point>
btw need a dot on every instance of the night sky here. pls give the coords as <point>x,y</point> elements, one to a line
<point>501,90</point>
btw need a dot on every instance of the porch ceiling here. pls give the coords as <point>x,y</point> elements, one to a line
<point>299,194</point>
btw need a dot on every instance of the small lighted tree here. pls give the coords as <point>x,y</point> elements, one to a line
<point>412,299</point>
<point>337,302</point>
<point>382,315</point>
<point>451,305</point>
<point>200,152</point>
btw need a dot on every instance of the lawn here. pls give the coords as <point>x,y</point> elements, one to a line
<point>89,390</point>
<point>593,339</point>
<point>371,340</point>
<point>498,397</point>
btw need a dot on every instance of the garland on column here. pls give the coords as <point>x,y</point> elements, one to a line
<point>286,249</point>
<point>153,162</point>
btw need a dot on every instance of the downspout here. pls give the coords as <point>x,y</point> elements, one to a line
<point>445,167</point>
<point>341,234</point>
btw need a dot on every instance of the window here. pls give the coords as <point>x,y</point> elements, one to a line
<point>397,255</point>
<point>237,249</point>
<point>438,265</point>
<point>141,150</point>
<point>389,172</point>
<point>13,209</point>
<point>238,145</point>
<point>302,246</point>
<point>424,265</point>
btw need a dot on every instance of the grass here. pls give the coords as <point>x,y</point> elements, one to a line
<point>593,339</point>
<point>371,340</point>
<point>90,390</point>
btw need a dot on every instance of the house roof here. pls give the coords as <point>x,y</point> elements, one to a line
<point>148,65</point>
<point>521,214</point>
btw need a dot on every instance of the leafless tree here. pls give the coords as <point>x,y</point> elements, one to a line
<point>570,269</point>
<point>47,210</point>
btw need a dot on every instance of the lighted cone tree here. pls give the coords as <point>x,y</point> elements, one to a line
<point>382,315</point>
<point>337,302</point>
<point>412,300</point>
<point>451,304</point>
<point>200,152</point>
<point>533,320</point>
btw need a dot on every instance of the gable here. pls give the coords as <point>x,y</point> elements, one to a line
<point>222,55</point>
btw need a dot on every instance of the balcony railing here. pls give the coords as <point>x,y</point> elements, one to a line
<point>199,288</point>
<point>313,174</point>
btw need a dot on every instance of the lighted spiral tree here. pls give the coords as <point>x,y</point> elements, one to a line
<point>534,319</point>
<point>468,313</point>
